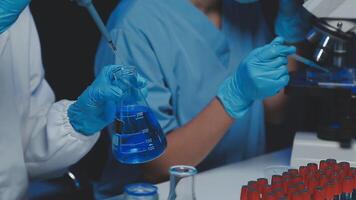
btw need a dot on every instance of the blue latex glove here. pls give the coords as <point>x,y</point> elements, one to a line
<point>293,21</point>
<point>9,12</point>
<point>263,73</point>
<point>96,106</point>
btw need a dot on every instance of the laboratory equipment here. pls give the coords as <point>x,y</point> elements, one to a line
<point>138,137</point>
<point>182,183</point>
<point>99,23</point>
<point>333,93</point>
<point>334,29</point>
<point>309,63</point>
<point>141,191</point>
<point>329,180</point>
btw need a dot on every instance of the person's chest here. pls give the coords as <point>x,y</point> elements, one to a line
<point>200,56</point>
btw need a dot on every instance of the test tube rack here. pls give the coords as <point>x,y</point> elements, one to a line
<point>328,181</point>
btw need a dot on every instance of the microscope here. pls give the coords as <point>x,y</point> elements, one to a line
<point>333,40</point>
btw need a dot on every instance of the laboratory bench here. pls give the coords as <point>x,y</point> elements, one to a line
<point>225,182</point>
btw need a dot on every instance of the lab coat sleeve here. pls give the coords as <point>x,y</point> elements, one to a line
<point>53,144</point>
<point>136,49</point>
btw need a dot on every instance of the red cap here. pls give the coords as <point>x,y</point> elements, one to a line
<point>313,167</point>
<point>345,166</point>
<point>319,193</point>
<point>329,171</point>
<point>331,161</point>
<point>244,193</point>
<point>276,178</point>
<point>334,176</point>
<point>297,179</point>
<point>293,171</point>
<point>286,175</point>
<point>286,183</point>
<point>303,171</point>
<point>323,164</point>
<point>324,179</point>
<point>306,195</point>
<point>292,189</point>
<point>353,170</point>
<point>297,196</point>
<point>252,184</point>
<point>336,167</point>
<point>253,194</point>
<point>338,188</point>
<point>262,184</point>
<point>267,190</point>
<point>312,184</point>
<point>343,173</point>
<point>269,196</point>
<point>301,186</point>
<point>277,185</point>
<point>278,192</point>
<point>347,184</point>
<point>329,191</point>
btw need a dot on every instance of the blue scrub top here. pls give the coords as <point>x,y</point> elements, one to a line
<point>186,58</point>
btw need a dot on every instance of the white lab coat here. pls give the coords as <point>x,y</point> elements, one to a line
<point>36,138</point>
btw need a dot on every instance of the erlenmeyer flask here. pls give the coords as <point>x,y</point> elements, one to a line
<point>138,137</point>
<point>182,183</point>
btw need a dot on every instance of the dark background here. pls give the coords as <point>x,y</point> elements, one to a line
<point>69,39</point>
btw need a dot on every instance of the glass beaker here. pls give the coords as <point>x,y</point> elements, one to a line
<point>138,137</point>
<point>140,191</point>
<point>182,183</point>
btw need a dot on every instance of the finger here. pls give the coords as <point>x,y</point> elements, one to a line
<point>278,41</point>
<point>275,63</point>
<point>275,74</point>
<point>284,80</point>
<point>109,93</point>
<point>107,73</point>
<point>273,51</point>
<point>280,72</point>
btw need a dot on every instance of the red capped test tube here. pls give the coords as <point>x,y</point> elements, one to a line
<point>252,184</point>
<point>323,164</point>
<point>276,178</point>
<point>269,196</point>
<point>319,193</point>
<point>313,167</point>
<point>345,166</point>
<point>347,188</point>
<point>253,194</point>
<point>244,193</point>
<point>262,184</point>
<point>293,172</point>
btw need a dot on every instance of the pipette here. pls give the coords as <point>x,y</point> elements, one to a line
<point>99,22</point>
<point>309,63</point>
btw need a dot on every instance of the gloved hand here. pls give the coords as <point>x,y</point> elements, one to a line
<point>9,12</point>
<point>263,73</point>
<point>293,21</point>
<point>96,106</point>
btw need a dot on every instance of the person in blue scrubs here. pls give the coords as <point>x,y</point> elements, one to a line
<point>187,50</point>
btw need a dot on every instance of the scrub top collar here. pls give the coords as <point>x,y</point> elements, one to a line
<point>214,36</point>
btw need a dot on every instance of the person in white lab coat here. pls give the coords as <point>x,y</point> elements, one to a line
<point>39,137</point>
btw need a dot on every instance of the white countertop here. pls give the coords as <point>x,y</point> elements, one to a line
<point>225,182</point>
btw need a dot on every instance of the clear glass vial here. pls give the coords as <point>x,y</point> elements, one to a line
<point>182,183</point>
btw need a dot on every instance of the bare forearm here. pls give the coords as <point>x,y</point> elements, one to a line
<point>191,143</point>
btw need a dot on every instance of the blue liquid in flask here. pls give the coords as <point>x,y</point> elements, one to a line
<point>139,137</point>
